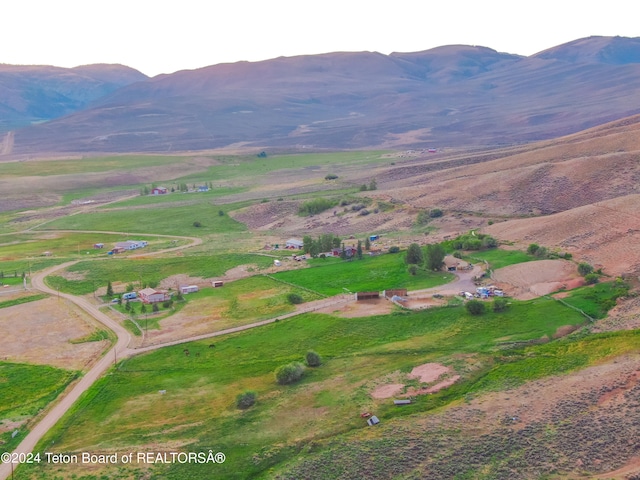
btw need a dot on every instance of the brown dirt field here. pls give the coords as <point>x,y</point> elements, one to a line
<point>533,279</point>
<point>57,322</point>
<point>429,372</point>
<point>387,391</point>
<point>363,308</point>
<point>426,373</point>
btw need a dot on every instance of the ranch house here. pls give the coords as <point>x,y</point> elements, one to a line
<point>150,295</point>
<point>294,243</point>
<point>159,190</point>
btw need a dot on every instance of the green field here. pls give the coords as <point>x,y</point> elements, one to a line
<point>125,411</point>
<point>498,258</point>
<point>144,270</point>
<point>26,389</point>
<point>178,220</point>
<point>333,277</point>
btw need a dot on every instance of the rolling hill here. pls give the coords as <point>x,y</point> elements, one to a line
<point>447,96</point>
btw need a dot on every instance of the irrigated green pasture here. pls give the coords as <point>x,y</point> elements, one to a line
<point>498,258</point>
<point>125,411</point>
<point>332,277</point>
<point>26,389</point>
<point>93,274</point>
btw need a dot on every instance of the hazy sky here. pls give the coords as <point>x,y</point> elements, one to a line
<point>163,36</point>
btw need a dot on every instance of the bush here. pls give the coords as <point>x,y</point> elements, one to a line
<point>155,308</point>
<point>435,213</point>
<point>313,359</point>
<point>413,269</point>
<point>475,307</point>
<point>394,249</point>
<point>584,269</point>
<point>315,206</point>
<point>167,303</point>
<point>330,176</point>
<point>591,278</point>
<point>246,400</point>
<point>294,299</point>
<point>532,248</point>
<point>499,304</point>
<point>197,224</point>
<point>414,255</point>
<point>290,373</point>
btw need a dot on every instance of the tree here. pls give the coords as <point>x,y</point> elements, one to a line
<point>413,270</point>
<point>221,213</point>
<point>290,373</point>
<point>127,306</point>
<point>475,307</point>
<point>313,359</point>
<point>532,248</point>
<point>584,269</point>
<point>155,308</point>
<point>394,249</point>
<point>367,244</point>
<point>246,399</point>
<point>143,308</point>
<point>414,255</point>
<point>197,224</point>
<point>434,256</point>
<point>373,185</point>
<point>435,213</point>
<point>363,187</point>
<point>130,287</point>
<point>343,252</point>
<point>109,289</point>
<point>359,250</point>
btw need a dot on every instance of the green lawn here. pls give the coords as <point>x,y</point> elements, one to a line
<point>597,300</point>
<point>332,277</point>
<point>125,411</point>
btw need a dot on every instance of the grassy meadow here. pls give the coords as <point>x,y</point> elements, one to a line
<point>125,411</point>
<point>333,277</point>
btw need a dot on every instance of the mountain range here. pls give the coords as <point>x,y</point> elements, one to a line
<point>450,96</point>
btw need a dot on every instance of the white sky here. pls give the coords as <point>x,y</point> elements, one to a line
<point>164,36</point>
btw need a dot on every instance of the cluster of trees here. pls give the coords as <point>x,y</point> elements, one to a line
<point>425,216</point>
<point>477,307</point>
<point>474,241</point>
<point>324,243</point>
<point>294,371</point>
<point>587,272</point>
<point>431,257</point>
<point>317,205</point>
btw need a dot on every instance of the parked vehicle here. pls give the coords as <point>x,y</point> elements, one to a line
<point>129,295</point>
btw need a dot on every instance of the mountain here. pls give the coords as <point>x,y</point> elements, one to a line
<point>34,94</point>
<point>447,96</point>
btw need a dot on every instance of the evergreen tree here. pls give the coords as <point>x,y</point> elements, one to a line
<point>414,255</point>
<point>359,250</point>
<point>109,289</point>
<point>367,244</point>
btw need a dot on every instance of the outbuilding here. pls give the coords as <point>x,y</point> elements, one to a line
<point>184,289</point>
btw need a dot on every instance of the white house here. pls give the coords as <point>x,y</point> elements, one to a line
<point>294,243</point>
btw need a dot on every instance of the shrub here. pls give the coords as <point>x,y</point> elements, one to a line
<point>290,373</point>
<point>532,248</point>
<point>591,278</point>
<point>197,224</point>
<point>457,254</point>
<point>313,359</point>
<point>246,400</point>
<point>294,299</point>
<point>155,308</point>
<point>364,212</point>
<point>221,213</point>
<point>435,213</point>
<point>394,249</point>
<point>584,269</point>
<point>167,303</point>
<point>413,269</point>
<point>475,307</point>
<point>499,304</point>
<point>330,176</point>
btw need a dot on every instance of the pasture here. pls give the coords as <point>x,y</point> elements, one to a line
<point>125,411</point>
<point>333,277</point>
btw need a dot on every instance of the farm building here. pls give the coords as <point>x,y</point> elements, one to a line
<point>367,295</point>
<point>150,295</point>
<point>98,245</point>
<point>159,191</point>
<point>188,289</point>
<point>399,292</point>
<point>294,243</point>
<point>131,244</point>
<point>349,251</point>
<point>217,283</point>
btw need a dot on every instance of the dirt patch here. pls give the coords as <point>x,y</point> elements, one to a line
<point>565,330</point>
<point>58,323</point>
<point>363,308</point>
<point>429,372</point>
<point>387,391</point>
<point>534,279</point>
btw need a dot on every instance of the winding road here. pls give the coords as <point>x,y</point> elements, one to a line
<point>122,350</point>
